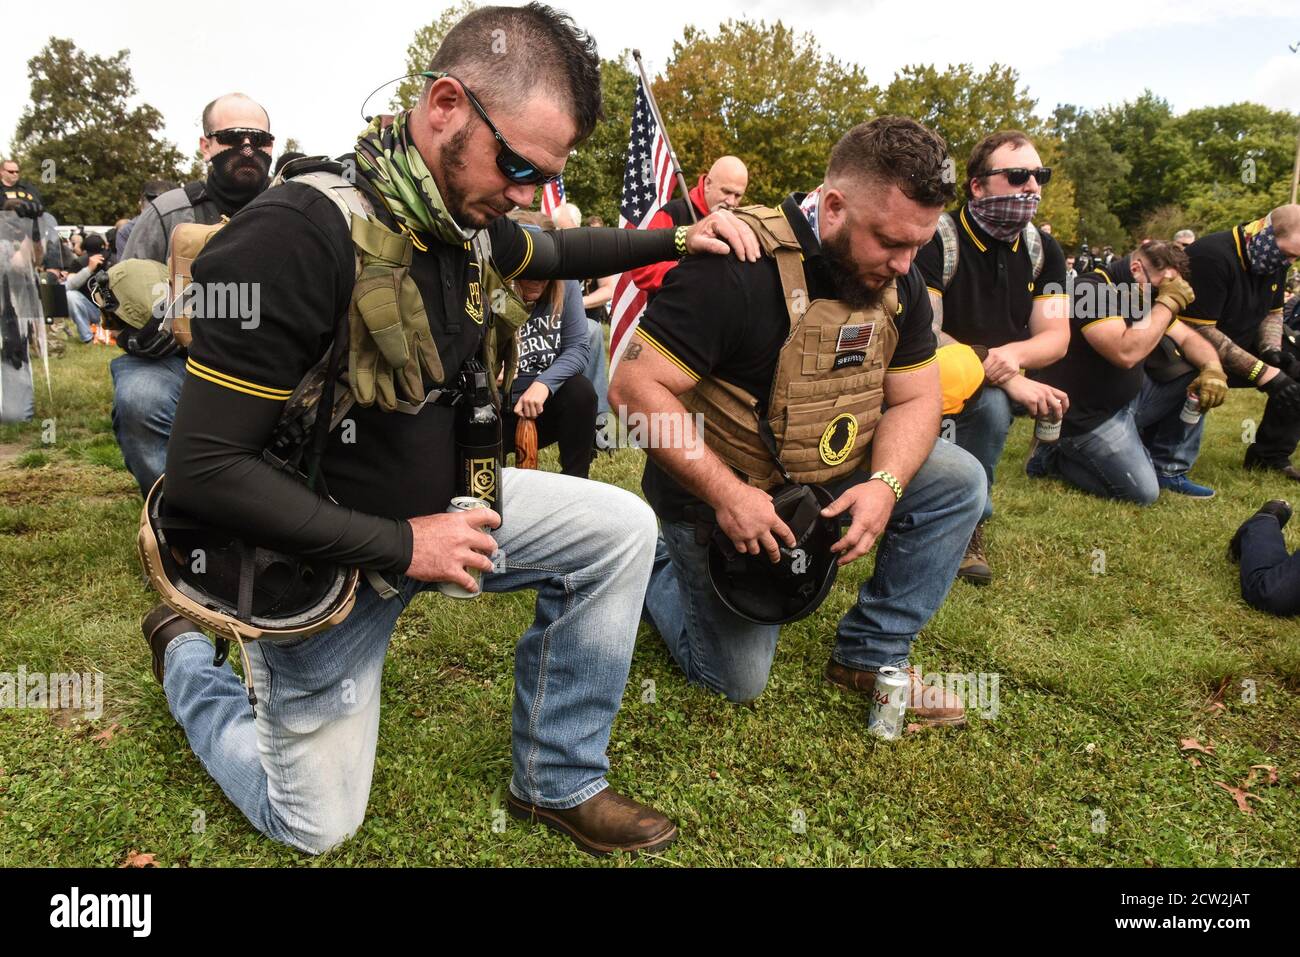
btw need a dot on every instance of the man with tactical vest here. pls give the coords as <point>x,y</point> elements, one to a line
<point>722,187</point>
<point>400,276</point>
<point>813,369</point>
<point>236,145</point>
<point>997,284</point>
<point>1239,276</point>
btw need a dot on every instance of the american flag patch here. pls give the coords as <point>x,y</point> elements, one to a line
<point>855,337</point>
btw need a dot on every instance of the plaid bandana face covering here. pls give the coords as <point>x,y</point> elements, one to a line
<point>1004,217</point>
<point>1266,257</point>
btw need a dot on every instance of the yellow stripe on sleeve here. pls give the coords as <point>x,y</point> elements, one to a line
<point>666,353</point>
<point>914,366</point>
<point>238,385</point>
<point>1102,319</point>
<point>528,254</point>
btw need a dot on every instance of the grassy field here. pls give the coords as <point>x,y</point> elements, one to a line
<point>1106,663</point>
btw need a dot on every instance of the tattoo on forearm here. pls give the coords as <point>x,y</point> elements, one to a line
<point>633,352</point>
<point>1235,359</point>
<point>1270,332</point>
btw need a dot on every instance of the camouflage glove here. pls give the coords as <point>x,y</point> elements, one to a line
<point>1211,387</point>
<point>1175,294</point>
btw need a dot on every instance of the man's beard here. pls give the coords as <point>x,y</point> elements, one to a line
<point>243,169</point>
<point>849,289</point>
<point>451,158</point>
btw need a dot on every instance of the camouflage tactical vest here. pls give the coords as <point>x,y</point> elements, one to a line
<point>828,388</point>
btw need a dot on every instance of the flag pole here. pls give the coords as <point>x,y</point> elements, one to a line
<point>672,154</point>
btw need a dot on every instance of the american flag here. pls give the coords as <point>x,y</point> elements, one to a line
<point>553,197</point>
<point>647,185</point>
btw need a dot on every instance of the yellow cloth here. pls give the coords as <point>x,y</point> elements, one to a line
<point>960,375</point>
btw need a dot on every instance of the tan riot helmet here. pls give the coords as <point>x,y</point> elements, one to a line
<point>239,590</point>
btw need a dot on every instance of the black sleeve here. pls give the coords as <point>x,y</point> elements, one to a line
<point>916,339</point>
<point>295,252</point>
<point>930,263</point>
<point>1209,281</point>
<point>575,253</point>
<point>697,319</point>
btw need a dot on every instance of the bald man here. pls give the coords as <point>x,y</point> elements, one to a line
<point>236,146</point>
<point>1239,276</point>
<point>722,187</point>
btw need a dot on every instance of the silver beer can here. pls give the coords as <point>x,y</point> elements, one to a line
<point>1191,413</point>
<point>1047,430</point>
<point>464,503</point>
<point>888,703</point>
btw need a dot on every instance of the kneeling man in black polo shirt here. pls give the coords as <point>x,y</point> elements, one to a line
<point>1122,432</point>
<point>810,344</point>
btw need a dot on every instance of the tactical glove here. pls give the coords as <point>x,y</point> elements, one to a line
<point>1280,359</point>
<point>1211,387</point>
<point>1285,392</point>
<point>150,342</point>
<point>1175,294</point>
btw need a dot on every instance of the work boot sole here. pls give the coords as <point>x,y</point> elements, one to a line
<point>531,812</point>
<point>979,575</point>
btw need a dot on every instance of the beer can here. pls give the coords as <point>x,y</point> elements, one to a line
<point>1047,430</point>
<point>463,503</point>
<point>888,703</point>
<point>1191,413</point>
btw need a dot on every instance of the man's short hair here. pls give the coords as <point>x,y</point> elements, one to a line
<point>211,107</point>
<point>978,164</point>
<point>154,188</point>
<point>1166,255</point>
<point>896,150</point>
<point>501,51</point>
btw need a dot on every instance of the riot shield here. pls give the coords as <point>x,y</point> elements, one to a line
<point>20,315</point>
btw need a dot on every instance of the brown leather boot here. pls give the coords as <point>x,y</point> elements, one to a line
<point>974,566</point>
<point>926,705</point>
<point>603,824</point>
<point>160,626</point>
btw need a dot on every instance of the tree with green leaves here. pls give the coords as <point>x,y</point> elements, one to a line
<point>88,150</point>
<point>766,94</point>
<point>420,51</point>
<point>1095,170</point>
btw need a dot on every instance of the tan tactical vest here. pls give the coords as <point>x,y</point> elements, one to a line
<point>829,384</point>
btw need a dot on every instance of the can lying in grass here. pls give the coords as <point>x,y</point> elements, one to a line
<point>888,703</point>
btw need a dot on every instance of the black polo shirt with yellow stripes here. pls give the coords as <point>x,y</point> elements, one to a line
<point>1228,294</point>
<point>716,316</point>
<point>1097,389</point>
<point>991,296</point>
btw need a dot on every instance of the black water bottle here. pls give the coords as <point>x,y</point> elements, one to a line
<point>478,438</point>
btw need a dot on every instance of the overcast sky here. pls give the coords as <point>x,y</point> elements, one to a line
<point>311,65</point>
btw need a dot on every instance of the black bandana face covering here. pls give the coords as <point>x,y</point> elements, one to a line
<point>235,177</point>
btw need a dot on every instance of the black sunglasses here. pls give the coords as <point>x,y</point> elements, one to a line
<point>235,136</point>
<point>513,166</point>
<point>1019,176</point>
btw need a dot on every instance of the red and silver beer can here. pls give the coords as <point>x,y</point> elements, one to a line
<point>888,703</point>
<point>464,503</point>
<point>1191,413</point>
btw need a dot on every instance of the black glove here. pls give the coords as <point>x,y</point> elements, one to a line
<point>27,208</point>
<point>1281,359</point>
<point>1285,392</point>
<point>150,342</point>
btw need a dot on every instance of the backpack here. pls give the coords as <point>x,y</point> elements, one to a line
<point>952,248</point>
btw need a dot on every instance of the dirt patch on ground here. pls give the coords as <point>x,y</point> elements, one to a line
<point>9,453</point>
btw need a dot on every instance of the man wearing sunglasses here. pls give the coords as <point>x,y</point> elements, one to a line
<point>510,92</point>
<point>1006,299</point>
<point>236,144</point>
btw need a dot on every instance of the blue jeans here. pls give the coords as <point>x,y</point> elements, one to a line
<point>1270,578</point>
<point>145,394</point>
<point>301,771</point>
<point>1125,456</point>
<point>83,312</point>
<point>597,371</point>
<point>916,561</point>
<point>981,429</point>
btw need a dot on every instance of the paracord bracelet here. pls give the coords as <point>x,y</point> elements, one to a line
<point>894,484</point>
<point>1255,370</point>
<point>679,241</point>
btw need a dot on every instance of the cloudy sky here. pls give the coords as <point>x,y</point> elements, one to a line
<point>312,70</point>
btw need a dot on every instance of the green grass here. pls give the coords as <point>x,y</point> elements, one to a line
<point>1101,675</point>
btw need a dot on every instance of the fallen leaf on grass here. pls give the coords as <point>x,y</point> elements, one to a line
<point>105,736</point>
<point>1250,778</point>
<point>913,728</point>
<point>1240,796</point>
<point>1215,704</point>
<point>1216,707</point>
<point>136,859</point>
<point>1195,761</point>
<point>1191,744</point>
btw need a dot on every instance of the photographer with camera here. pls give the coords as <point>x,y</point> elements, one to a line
<point>82,311</point>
